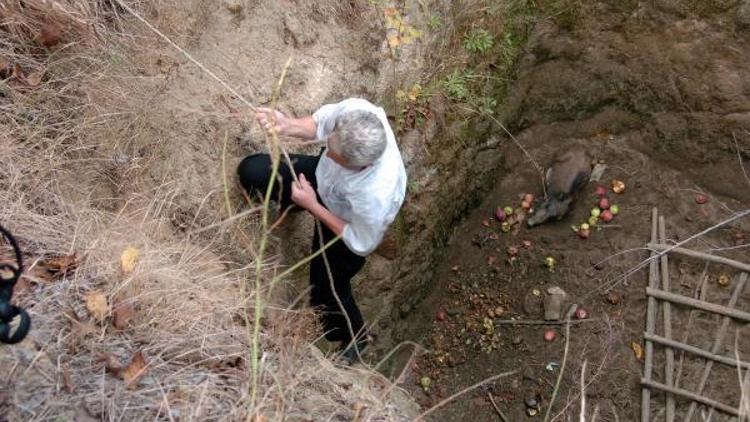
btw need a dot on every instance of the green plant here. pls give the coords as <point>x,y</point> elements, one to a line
<point>478,41</point>
<point>456,85</point>
<point>435,22</point>
<point>486,105</point>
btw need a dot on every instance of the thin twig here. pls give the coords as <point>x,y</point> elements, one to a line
<point>496,407</point>
<point>583,392</point>
<point>739,157</point>
<point>562,365</point>
<point>462,392</point>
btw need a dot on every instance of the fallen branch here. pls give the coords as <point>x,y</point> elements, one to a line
<point>691,396</point>
<point>701,255</point>
<point>697,351</point>
<point>653,282</point>
<point>666,306</point>
<point>699,304</point>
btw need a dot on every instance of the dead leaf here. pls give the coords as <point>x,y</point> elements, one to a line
<point>111,364</point>
<point>34,78</point>
<point>59,266</point>
<point>17,72</point>
<point>50,35</point>
<point>129,258</point>
<point>135,369</point>
<point>122,314</point>
<point>96,304</point>
<point>637,350</point>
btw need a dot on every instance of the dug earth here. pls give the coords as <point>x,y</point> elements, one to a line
<point>658,94</point>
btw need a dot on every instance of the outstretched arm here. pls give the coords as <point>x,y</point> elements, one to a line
<point>275,121</point>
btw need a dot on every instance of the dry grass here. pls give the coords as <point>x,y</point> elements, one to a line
<point>71,180</point>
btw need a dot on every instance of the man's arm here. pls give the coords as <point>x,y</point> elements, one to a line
<point>274,120</point>
<point>304,195</point>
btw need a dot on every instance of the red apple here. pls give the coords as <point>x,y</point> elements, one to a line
<point>601,191</point>
<point>440,315</point>
<point>550,335</point>
<point>701,199</point>
<point>606,216</point>
<point>604,204</point>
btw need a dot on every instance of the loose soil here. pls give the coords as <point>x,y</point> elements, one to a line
<point>660,96</point>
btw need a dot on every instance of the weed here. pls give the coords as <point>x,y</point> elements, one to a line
<point>435,22</point>
<point>478,41</point>
<point>456,85</point>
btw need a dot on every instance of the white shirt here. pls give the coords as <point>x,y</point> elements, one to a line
<point>368,199</point>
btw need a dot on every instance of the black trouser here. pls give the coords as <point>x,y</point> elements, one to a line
<point>255,172</point>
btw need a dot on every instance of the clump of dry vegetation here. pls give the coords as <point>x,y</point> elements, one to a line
<point>133,317</point>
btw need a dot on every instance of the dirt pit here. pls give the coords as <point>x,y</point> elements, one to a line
<point>657,95</point>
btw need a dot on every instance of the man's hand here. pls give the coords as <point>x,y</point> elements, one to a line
<point>272,121</point>
<point>303,193</point>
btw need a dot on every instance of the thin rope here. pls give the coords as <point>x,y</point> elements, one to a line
<point>181,50</point>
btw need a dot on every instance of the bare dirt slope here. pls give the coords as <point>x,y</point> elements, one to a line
<point>139,164</point>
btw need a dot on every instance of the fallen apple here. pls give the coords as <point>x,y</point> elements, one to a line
<point>440,315</point>
<point>600,191</point>
<point>508,211</point>
<point>526,205</point>
<point>614,209</point>
<point>500,214</point>
<point>607,216</point>
<point>584,234</point>
<point>701,199</point>
<point>603,204</point>
<point>618,186</point>
<point>550,335</point>
<point>593,220</point>
<point>595,211</point>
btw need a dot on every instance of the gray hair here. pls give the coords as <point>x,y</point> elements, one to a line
<point>360,137</point>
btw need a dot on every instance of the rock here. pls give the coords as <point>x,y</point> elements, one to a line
<point>517,340</point>
<point>553,303</point>
<point>528,374</point>
<point>532,305</point>
<point>453,312</point>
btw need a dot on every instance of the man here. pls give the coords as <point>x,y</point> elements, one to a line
<point>354,188</point>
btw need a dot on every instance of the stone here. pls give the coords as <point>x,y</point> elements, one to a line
<point>554,301</point>
<point>532,305</point>
<point>528,374</point>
